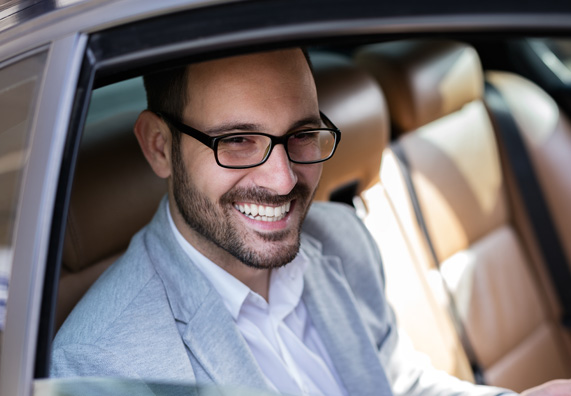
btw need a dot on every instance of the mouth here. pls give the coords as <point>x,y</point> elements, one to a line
<point>263,212</point>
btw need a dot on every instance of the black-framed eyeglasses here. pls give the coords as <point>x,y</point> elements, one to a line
<point>243,150</point>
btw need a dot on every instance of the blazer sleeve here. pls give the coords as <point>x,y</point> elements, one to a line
<point>411,373</point>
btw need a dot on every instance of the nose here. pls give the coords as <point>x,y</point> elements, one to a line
<point>276,174</point>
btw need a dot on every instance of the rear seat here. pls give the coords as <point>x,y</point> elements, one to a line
<point>434,92</point>
<point>546,131</point>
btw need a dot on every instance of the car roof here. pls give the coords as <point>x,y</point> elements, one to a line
<point>17,12</point>
<point>28,24</point>
<point>26,17</point>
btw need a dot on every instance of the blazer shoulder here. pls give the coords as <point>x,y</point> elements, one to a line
<point>120,289</point>
<point>330,219</point>
<point>124,326</point>
<point>338,231</point>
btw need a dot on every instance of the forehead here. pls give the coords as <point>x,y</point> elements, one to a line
<point>282,63</point>
<point>260,77</point>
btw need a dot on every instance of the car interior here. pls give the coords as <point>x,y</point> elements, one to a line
<point>421,161</point>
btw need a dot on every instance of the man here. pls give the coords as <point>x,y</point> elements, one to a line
<point>223,286</point>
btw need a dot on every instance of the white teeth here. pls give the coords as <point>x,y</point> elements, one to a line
<point>264,213</point>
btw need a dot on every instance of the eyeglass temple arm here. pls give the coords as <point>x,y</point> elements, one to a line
<point>190,131</point>
<point>330,124</point>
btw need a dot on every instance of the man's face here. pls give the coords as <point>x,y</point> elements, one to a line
<point>272,93</point>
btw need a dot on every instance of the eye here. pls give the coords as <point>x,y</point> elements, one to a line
<point>238,141</point>
<point>304,137</point>
<point>243,144</point>
<point>235,140</point>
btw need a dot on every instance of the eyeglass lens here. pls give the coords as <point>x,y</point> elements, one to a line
<point>304,147</point>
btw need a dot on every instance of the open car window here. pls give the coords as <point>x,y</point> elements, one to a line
<point>555,53</point>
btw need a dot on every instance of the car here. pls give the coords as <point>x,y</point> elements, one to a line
<point>70,87</point>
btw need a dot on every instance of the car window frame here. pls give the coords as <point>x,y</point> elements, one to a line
<point>48,130</point>
<point>21,75</point>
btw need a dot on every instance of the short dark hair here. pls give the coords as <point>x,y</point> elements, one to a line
<point>166,91</point>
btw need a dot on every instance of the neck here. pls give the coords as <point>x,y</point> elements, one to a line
<point>258,280</point>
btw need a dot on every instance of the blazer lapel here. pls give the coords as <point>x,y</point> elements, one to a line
<point>216,342</point>
<point>333,311</point>
<point>209,331</point>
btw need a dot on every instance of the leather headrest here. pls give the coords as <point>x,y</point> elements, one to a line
<point>423,80</point>
<point>115,193</point>
<point>352,99</point>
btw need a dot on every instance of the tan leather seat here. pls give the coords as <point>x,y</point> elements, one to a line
<point>546,131</point>
<point>434,93</point>
<point>353,100</point>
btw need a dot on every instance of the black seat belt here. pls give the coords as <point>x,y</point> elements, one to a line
<point>454,313</point>
<point>534,201</point>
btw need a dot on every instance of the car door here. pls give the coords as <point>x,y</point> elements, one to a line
<point>36,91</point>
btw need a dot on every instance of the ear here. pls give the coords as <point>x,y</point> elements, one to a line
<point>155,140</point>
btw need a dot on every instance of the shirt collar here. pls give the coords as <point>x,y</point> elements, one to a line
<point>286,283</point>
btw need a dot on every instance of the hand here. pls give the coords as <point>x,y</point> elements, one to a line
<point>551,388</point>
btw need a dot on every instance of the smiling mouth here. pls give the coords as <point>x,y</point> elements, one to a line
<point>262,212</point>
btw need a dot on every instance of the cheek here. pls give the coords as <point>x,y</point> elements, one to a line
<point>210,179</point>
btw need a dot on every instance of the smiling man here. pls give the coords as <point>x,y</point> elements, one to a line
<point>240,280</point>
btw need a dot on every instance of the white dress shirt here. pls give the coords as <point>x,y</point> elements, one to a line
<point>279,331</point>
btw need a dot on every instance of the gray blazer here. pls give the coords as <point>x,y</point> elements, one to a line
<point>154,316</point>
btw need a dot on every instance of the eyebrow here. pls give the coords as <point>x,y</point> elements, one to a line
<point>251,127</point>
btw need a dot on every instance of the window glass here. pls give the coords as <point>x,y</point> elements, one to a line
<point>19,82</point>
<point>562,49</point>
<point>556,55</point>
